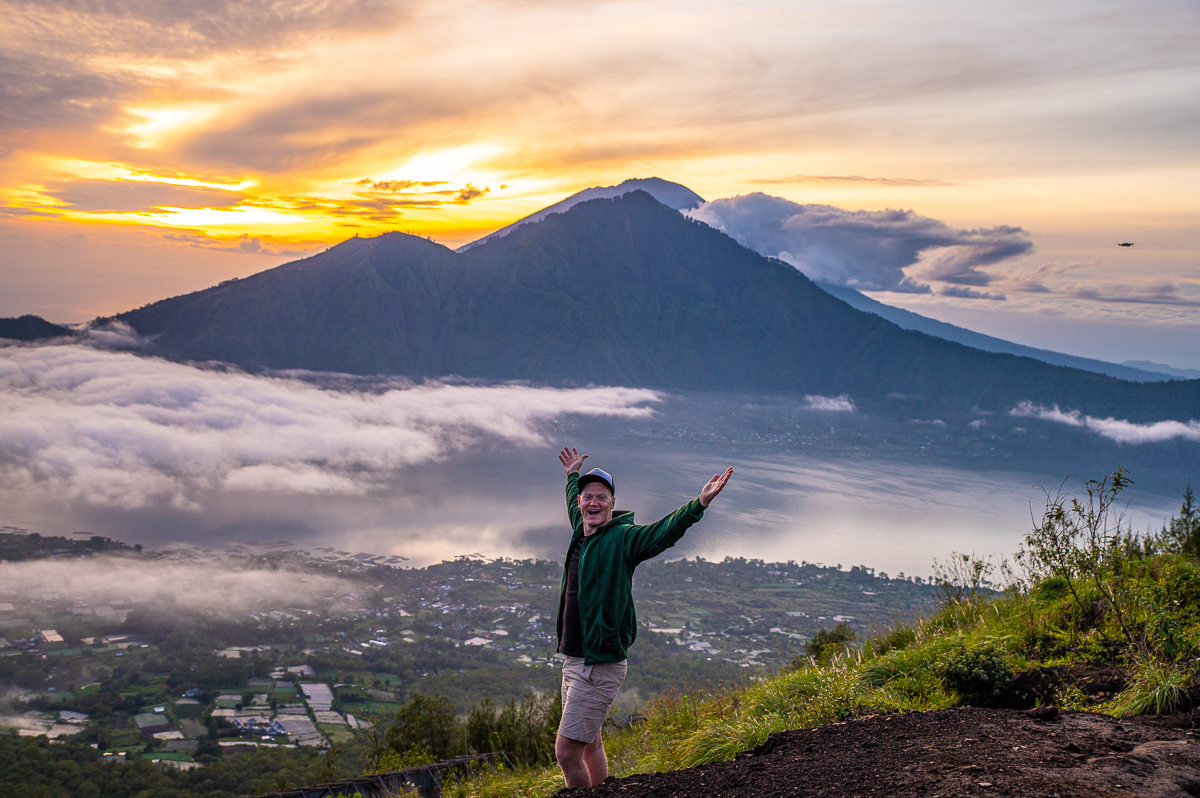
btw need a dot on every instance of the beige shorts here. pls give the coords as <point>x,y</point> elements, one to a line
<point>588,691</point>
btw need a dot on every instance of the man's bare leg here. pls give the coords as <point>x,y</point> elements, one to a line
<point>596,760</point>
<point>570,756</point>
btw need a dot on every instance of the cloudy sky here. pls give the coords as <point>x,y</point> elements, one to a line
<point>974,162</point>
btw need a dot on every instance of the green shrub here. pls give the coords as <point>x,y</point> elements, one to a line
<point>1051,588</point>
<point>1070,697</point>
<point>828,642</point>
<point>896,639</point>
<point>979,674</point>
<point>526,730</point>
<point>389,760</point>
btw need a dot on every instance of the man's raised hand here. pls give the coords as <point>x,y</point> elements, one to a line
<point>571,460</point>
<point>714,487</point>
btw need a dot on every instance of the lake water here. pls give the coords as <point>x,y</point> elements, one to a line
<point>887,513</point>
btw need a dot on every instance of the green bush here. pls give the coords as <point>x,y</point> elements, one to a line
<point>978,674</point>
<point>896,639</point>
<point>828,642</point>
<point>1051,588</point>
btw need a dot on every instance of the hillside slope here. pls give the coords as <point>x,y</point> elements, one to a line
<point>620,291</point>
<point>961,751</point>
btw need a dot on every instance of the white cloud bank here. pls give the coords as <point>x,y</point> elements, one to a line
<point>830,404</point>
<point>112,428</point>
<point>218,585</point>
<point>867,250</point>
<point>1119,430</point>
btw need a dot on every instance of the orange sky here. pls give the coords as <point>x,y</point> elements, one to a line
<point>151,148</point>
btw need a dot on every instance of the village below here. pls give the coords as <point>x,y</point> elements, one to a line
<point>157,680</point>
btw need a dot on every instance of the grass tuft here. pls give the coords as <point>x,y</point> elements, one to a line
<point>1155,688</point>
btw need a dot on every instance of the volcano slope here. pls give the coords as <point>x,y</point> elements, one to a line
<point>951,752</point>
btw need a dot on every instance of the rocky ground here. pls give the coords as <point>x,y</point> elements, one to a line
<point>954,752</point>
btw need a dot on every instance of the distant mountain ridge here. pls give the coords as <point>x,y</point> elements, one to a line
<point>1138,371</point>
<point>31,328</point>
<point>621,291</point>
<point>1163,368</point>
<point>673,195</point>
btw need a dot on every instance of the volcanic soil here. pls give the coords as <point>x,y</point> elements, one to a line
<point>953,752</point>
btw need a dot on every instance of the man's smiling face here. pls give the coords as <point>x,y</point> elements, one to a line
<point>596,502</point>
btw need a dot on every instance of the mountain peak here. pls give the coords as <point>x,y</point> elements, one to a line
<point>673,195</point>
<point>30,328</point>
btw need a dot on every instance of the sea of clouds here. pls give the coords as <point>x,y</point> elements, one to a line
<point>215,584</point>
<point>87,423</point>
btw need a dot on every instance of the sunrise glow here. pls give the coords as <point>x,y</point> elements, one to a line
<point>237,140</point>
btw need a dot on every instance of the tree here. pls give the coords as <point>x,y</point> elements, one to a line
<point>1182,532</point>
<point>428,723</point>
<point>827,642</point>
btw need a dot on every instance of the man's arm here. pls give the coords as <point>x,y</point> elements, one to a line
<point>650,540</point>
<point>644,542</point>
<point>572,461</point>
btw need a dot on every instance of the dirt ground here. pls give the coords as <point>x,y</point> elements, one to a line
<point>963,751</point>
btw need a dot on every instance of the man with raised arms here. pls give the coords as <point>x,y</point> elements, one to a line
<point>596,620</point>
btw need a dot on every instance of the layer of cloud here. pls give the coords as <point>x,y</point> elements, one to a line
<point>111,428</point>
<point>217,584</point>
<point>1152,292</point>
<point>878,181</point>
<point>965,292</point>
<point>245,244</point>
<point>867,250</point>
<point>1119,430</point>
<point>830,404</point>
<point>198,27</point>
<point>139,196</point>
<point>1062,279</point>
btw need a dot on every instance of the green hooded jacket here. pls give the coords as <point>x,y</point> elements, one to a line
<point>606,562</point>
